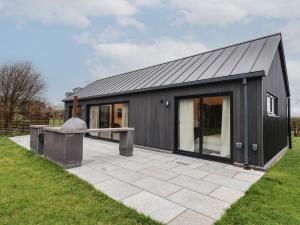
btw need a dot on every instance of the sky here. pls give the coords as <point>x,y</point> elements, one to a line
<point>74,42</point>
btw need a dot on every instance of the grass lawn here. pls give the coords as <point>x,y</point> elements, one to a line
<point>275,199</point>
<point>35,191</point>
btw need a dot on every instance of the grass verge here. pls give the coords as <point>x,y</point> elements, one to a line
<point>36,191</point>
<point>275,199</point>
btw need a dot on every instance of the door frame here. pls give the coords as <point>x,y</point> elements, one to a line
<point>200,154</point>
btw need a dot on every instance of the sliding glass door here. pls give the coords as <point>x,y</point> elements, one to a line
<point>204,126</point>
<point>108,116</point>
<point>216,126</point>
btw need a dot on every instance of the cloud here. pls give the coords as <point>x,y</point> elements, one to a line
<point>116,57</point>
<point>293,68</point>
<point>221,13</point>
<point>129,21</point>
<point>77,13</point>
<point>147,3</point>
<point>107,34</point>
<point>197,12</point>
<point>291,34</point>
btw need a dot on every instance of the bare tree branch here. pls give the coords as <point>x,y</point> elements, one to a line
<point>19,84</point>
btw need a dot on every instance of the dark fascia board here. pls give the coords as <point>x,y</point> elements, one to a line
<point>180,85</point>
<point>283,64</point>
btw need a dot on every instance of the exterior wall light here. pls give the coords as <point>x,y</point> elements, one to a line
<point>167,103</point>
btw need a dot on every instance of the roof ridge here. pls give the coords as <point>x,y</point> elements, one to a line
<point>212,50</point>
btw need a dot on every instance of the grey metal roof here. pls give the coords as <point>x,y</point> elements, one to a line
<point>249,58</point>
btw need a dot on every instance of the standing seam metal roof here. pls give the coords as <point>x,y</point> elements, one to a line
<point>243,58</point>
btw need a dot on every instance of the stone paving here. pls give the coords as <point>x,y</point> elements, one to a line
<point>172,189</point>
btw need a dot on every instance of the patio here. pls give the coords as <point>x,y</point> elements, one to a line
<point>170,188</point>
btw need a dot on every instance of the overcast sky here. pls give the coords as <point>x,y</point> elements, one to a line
<point>74,42</point>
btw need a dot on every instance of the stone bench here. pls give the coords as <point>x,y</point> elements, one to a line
<point>37,138</point>
<point>65,147</point>
<point>125,141</point>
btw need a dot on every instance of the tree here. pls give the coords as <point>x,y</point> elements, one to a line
<point>19,85</point>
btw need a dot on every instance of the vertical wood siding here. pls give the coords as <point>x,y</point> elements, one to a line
<point>275,128</point>
<point>154,123</point>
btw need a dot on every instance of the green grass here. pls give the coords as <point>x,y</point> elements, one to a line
<point>275,199</point>
<point>35,191</point>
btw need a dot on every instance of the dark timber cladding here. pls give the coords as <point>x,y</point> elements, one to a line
<point>275,127</point>
<point>216,72</point>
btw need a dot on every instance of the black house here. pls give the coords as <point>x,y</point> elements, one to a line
<point>229,104</point>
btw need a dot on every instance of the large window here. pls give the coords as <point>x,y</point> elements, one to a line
<point>272,105</point>
<point>108,116</point>
<point>204,126</point>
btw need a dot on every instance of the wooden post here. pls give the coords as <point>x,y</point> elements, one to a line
<point>75,106</point>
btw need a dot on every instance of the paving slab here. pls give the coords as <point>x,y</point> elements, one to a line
<point>162,164</point>
<point>23,141</point>
<point>154,206</point>
<point>126,175</point>
<point>134,165</point>
<point>228,182</point>
<point>90,175</point>
<point>190,217</point>
<point>200,203</point>
<point>117,189</point>
<point>255,172</point>
<point>227,194</point>
<point>141,152</point>
<point>157,187</point>
<point>247,177</point>
<point>187,158</point>
<point>139,158</point>
<point>218,170</point>
<point>159,173</point>
<point>194,184</point>
<point>218,164</point>
<point>114,159</point>
<point>163,157</point>
<point>103,166</point>
<point>190,172</point>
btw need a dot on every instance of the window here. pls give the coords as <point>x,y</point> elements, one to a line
<point>204,126</point>
<point>108,116</point>
<point>272,105</point>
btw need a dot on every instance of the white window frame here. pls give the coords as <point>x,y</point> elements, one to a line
<point>272,105</point>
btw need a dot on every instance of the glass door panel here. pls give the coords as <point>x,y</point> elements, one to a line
<point>105,120</point>
<point>216,126</point>
<point>94,118</point>
<point>120,117</point>
<point>189,125</point>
